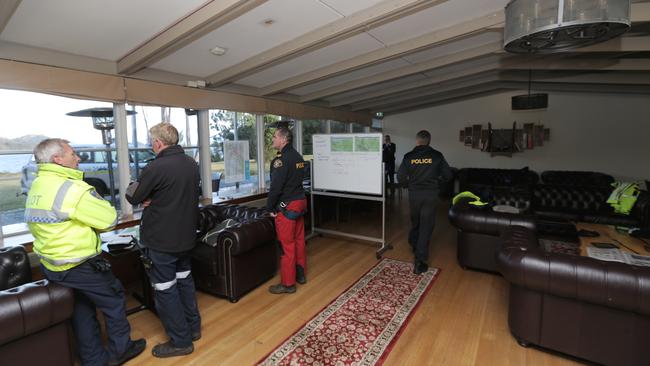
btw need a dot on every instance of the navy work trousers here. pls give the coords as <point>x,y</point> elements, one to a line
<point>171,278</point>
<point>96,290</point>
<point>422,205</point>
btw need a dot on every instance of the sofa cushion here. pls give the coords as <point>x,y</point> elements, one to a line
<point>576,178</point>
<point>571,199</point>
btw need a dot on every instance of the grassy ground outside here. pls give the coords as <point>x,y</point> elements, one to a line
<point>9,186</point>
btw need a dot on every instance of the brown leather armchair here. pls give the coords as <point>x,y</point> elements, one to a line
<point>587,308</point>
<point>479,231</point>
<point>239,258</point>
<point>34,317</point>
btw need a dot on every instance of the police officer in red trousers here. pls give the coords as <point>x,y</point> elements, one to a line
<point>423,169</point>
<point>287,202</point>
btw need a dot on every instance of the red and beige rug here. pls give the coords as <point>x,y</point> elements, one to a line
<point>361,325</point>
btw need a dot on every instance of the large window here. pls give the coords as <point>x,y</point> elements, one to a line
<point>141,118</point>
<point>233,126</point>
<point>311,127</point>
<point>27,118</point>
<point>270,124</point>
<point>338,127</point>
<point>358,128</point>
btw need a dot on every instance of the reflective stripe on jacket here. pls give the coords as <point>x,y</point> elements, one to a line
<point>62,212</point>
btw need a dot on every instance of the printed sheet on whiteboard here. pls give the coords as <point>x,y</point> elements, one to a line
<point>348,162</point>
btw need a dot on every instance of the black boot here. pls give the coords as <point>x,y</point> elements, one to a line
<point>167,349</point>
<point>135,348</point>
<point>282,289</point>
<point>300,275</point>
<point>420,267</point>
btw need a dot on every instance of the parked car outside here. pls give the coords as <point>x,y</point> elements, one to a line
<point>94,165</point>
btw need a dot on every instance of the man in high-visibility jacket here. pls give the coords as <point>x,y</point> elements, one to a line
<point>64,214</point>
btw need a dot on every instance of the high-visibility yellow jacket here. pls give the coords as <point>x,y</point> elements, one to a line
<point>63,213</point>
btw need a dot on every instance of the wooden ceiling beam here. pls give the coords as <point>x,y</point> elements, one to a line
<point>7,10</point>
<point>346,27</point>
<point>423,92</point>
<point>431,39</point>
<point>201,22</point>
<point>446,60</point>
<point>444,77</point>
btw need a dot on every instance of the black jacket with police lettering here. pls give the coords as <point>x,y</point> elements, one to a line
<point>286,178</point>
<point>423,168</point>
<point>170,221</point>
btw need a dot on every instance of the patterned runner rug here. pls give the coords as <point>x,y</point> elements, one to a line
<point>362,324</point>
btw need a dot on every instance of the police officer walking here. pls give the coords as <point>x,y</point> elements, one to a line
<point>169,189</point>
<point>64,214</point>
<point>423,169</point>
<point>287,202</point>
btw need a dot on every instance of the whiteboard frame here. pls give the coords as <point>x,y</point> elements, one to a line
<point>379,175</point>
<point>382,198</point>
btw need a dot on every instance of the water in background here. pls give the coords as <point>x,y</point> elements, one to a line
<point>13,163</point>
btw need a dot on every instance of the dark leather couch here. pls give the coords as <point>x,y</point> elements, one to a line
<point>481,181</point>
<point>479,231</point>
<point>576,178</point>
<point>574,196</point>
<point>595,310</point>
<point>243,256</point>
<point>34,316</point>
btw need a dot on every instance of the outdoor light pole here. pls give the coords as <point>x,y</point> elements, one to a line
<point>103,120</point>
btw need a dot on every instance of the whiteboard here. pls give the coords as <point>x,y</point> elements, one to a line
<point>349,162</point>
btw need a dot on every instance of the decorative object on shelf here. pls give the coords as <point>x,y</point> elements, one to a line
<point>504,142</point>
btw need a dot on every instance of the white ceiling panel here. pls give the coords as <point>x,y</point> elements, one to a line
<point>350,76</point>
<point>436,17</point>
<point>248,36</point>
<point>347,7</point>
<point>95,28</point>
<point>348,48</point>
<point>453,47</point>
<point>376,87</point>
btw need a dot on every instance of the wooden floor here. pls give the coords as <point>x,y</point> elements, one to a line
<point>462,320</point>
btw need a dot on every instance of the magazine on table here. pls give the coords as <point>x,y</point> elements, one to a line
<point>616,255</point>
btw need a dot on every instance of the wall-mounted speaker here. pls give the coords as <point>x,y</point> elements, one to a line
<point>530,101</point>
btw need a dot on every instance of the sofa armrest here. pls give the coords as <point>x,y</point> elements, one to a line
<point>612,284</point>
<point>485,221</point>
<point>248,235</point>
<point>29,308</point>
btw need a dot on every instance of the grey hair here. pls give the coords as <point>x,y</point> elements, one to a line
<point>48,148</point>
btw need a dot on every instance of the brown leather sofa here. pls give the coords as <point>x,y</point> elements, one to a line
<point>35,317</point>
<point>565,195</point>
<point>595,310</point>
<point>239,258</point>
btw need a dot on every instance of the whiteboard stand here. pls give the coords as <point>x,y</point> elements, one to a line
<point>384,246</point>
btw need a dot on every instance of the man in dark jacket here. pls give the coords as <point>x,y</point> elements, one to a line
<point>422,170</point>
<point>287,202</point>
<point>388,158</point>
<point>169,190</point>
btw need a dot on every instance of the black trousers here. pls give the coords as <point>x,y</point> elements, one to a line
<point>96,290</point>
<point>422,205</point>
<point>390,172</point>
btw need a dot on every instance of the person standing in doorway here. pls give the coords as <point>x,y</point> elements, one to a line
<point>422,170</point>
<point>287,202</point>
<point>64,214</point>
<point>388,158</point>
<point>169,189</point>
